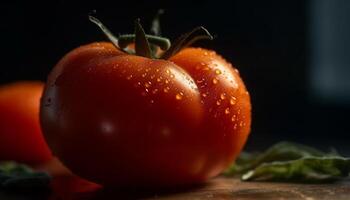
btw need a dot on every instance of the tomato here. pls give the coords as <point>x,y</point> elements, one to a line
<point>20,135</point>
<point>131,121</point>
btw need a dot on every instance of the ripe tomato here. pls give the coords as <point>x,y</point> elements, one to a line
<point>126,120</point>
<point>20,135</point>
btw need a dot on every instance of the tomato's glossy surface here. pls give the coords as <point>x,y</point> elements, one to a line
<point>126,120</point>
<point>20,135</point>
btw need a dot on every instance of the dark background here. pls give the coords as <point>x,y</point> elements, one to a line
<point>280,48</point>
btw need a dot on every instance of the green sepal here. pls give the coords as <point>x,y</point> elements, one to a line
<point>142,47</point>
<point>186,40</point>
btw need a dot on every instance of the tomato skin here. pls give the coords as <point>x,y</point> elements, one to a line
<point>21,139</point>
<point>125,120</point>
<point>227,107</point>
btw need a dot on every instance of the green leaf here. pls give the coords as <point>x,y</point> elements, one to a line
<point>290,162</point>
<point>282,151</point>
<point>305,170</point>
<point>16,176</point>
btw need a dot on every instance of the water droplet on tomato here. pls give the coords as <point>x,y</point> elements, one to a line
<point>223,96</point>
<point>233,100</point>
<point>158,80</point>
<point>218,102</point>
<point>144,74</point>
<point>167,71</point>
<point>204,95</point>
<point>148,84</point>
<point>166,89</point>
<point>155,91</point>
<point>217,71</point>
<point>129,77</point>
<point>215,81</point>
<point>227,111</point>
<point>233,118</point>
<point>179,96</point>
<point>200,81</point>
<point>151,101</point>
<point>203,85</point>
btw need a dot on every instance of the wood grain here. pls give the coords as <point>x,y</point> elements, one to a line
<point>72,188</point>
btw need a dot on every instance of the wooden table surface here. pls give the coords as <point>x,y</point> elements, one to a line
<point>218,188</point>
<point>224,188</point>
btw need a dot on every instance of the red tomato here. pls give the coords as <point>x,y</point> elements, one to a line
<point>126,120</point>
<point>20,135</point>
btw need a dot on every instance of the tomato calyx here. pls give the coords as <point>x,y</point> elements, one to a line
<point>147,45</point>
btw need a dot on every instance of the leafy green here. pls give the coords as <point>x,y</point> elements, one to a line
<point>21,177</point>
<point>307,169</point>
<point>290,162</point>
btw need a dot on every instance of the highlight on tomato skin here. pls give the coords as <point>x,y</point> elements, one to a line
<point>126,118</point>
<point>21,138</point>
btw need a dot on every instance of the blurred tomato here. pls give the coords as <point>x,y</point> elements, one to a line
<point>21,139</point>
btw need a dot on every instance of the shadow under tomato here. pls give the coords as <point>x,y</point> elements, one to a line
<point>74,188</point>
